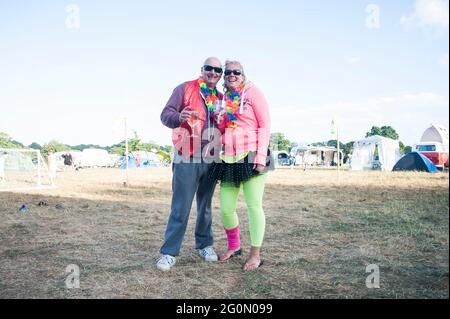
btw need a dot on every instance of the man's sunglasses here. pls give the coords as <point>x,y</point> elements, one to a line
<point>210,68</point>
<point>235,72</point>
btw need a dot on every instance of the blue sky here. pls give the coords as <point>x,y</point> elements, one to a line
<point>314,60</point>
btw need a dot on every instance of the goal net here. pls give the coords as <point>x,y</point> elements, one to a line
<point>23,169</point>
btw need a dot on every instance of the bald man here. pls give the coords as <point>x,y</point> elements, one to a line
<point>187,114</point>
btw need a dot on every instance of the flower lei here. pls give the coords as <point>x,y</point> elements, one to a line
<point>232,102</point>
<point>209,95</point>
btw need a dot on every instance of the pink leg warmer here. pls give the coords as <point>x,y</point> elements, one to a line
<point>234,242</point>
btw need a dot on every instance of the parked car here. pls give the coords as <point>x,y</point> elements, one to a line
<point>434,151</point>
<point>283,158</point>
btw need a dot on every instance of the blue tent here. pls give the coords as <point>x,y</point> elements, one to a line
<point>147,160</point>
<point>415,161</point>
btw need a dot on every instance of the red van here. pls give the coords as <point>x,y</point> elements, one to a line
<point>434,151</point>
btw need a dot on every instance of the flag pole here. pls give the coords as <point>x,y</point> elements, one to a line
<point>335,131</point>
<point>338,153</point>
<point>126,151</point>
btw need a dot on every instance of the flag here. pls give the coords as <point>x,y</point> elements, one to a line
<point>333,127</point>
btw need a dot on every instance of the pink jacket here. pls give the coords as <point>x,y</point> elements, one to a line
<point>253,127</point>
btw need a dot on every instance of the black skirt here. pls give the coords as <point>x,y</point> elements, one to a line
<point>238,172</point>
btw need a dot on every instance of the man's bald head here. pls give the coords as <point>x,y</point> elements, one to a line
<point>213,61</point>
<point>211,71</point>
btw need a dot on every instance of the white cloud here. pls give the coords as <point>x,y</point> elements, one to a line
<point>430,13</point>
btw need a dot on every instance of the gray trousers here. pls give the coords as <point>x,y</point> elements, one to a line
<point>189,179</point>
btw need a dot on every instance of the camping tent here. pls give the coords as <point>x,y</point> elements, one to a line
<point>436,133</point>
<point>315,155</point>
<point>365,155</point>
<point>415,161</point>
<point>92,157</point>
<point>140,159</point>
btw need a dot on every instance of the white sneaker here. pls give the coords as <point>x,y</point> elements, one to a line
<point>208,254</point>
<point>165,262</point>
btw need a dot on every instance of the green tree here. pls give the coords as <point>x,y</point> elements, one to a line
<point>35,146</point>
<point>347,150</point>
<point>55,146</point>
<point>134,144</point>
<point>150,146</point>
<point>7,142</point>
<point>164,156</point>
<point>117,149</point>
<point>375,130</point>
<point>81,147</point>
<point>386,131</point>
<point>404,149</point>
<point>333,143</point>
<point>319,144</point>
<point>167,148</point>
<point>279,143</point>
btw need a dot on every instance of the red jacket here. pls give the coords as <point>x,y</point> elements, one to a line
<point>182,135</point>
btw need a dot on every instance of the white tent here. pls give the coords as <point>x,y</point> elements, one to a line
<point>315,155</point>
<point>92,157</point>
<point>436,133</point>
<point>363,156</point>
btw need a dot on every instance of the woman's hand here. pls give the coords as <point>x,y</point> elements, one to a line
<point>259,168</point>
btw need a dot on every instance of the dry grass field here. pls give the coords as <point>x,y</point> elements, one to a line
<point>321,234</point>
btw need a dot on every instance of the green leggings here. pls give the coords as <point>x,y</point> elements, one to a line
<point>253,194</point>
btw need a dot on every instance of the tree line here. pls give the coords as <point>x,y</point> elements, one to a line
<point>134,144</point>
<point>277,142</point>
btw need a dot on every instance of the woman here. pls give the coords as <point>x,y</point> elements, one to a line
<point>245,125</point>
<point>51,166</point>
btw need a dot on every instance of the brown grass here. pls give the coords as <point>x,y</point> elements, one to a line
<point>321,234</point>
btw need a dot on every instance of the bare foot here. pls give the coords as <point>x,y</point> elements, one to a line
<point>252,264</point>
<point>230,253</point>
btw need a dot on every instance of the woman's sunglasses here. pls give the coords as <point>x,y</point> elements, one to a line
<point>210,68</point>
<point>235,72</point>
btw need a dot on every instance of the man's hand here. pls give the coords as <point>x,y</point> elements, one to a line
<point>219,115</point>
<point>184,115</point>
